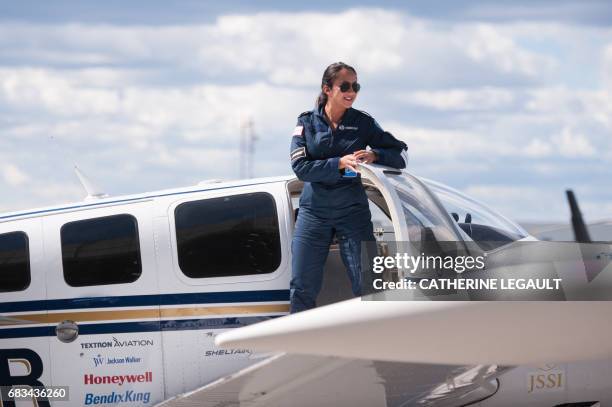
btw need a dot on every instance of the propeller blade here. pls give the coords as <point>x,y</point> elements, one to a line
<point>581,233</point>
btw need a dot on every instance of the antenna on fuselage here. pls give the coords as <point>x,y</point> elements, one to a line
<point>93,192</point>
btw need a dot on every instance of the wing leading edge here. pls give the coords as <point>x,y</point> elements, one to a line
<point>439,332</point>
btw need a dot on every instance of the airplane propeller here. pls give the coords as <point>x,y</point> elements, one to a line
<point>581,233</point>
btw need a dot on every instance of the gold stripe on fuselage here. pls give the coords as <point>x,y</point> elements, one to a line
<point>86,316</point>
<point>225,310</point>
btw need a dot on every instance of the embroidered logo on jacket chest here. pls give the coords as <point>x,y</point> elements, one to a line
<point>343,127</point>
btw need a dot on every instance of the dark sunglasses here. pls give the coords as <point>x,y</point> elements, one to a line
<point>345,86</point>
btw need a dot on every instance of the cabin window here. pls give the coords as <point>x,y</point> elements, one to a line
<point>14,262</point>
<point>101,251</point>
<point>229,236</point>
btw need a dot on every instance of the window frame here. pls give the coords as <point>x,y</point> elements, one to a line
<point>139,247</point>
<point>280,208</point>
<point>29,261</point>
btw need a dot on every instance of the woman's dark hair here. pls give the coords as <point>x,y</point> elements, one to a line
<point>329,76</point>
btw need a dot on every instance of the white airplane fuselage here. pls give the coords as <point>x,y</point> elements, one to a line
<point>121,306</point>
<point>142,340</point>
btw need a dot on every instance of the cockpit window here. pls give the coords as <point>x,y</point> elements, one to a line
<point>425,218</point>
<point>487,228</point>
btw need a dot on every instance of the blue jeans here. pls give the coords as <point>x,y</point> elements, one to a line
<point>310,247</point>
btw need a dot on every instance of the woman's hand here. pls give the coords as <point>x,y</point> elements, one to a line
<point>365,156</point>
<point>348,161</point>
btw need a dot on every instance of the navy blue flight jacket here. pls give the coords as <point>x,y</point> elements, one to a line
<point>315,154</point>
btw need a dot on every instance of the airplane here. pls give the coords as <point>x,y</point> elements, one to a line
<point>180,297</point>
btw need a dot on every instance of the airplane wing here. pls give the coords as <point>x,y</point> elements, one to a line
<point>403,353</point>
<point>506,333</point>
<point>303,380</point>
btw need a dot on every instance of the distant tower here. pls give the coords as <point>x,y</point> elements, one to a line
<point>247,148</point>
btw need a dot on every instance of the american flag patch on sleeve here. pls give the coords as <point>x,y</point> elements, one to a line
<point>298,153</point>
<point>298,130</point>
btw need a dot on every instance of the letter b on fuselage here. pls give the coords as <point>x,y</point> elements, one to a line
<point>34,367</point>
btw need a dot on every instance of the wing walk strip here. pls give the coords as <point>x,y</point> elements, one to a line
<point>56,317</point>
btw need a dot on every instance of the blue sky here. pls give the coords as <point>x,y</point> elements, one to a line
<point>510,102</point>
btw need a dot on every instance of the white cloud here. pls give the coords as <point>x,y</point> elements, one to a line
<point>277,46</point>
<point>162,105</point>
<point>566,143</point>
<point>196,113</point>
<point>40,89</point>
<point>461,99</point>
<point>13,175</point>
<point>538,148</point>
<point>440,144</point>
<point>486,44</point>
<point>571,144</point>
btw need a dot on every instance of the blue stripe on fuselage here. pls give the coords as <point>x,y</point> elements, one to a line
<point>146,300</point>
<point>140,326</point>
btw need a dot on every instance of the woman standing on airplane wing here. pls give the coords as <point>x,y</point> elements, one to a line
<point>328,143</point>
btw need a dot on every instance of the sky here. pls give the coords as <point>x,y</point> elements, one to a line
<point>507,101</point>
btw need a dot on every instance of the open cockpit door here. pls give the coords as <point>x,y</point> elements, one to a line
<point>374,177</point>
<point>420,221</point>
<point>382,185</point>
<point>406,216</point>
<point>414,208</point>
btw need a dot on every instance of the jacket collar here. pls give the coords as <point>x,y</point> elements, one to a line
<point>318,111</point>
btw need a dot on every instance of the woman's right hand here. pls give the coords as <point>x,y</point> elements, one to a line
<point>348,161</point>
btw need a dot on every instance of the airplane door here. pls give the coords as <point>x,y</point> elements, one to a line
<point>417,214</point>
<point>420,211</point>
<point>24,340</point>
<point>224,256</point>
<point>376,175</point>
<point>103,305</point>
